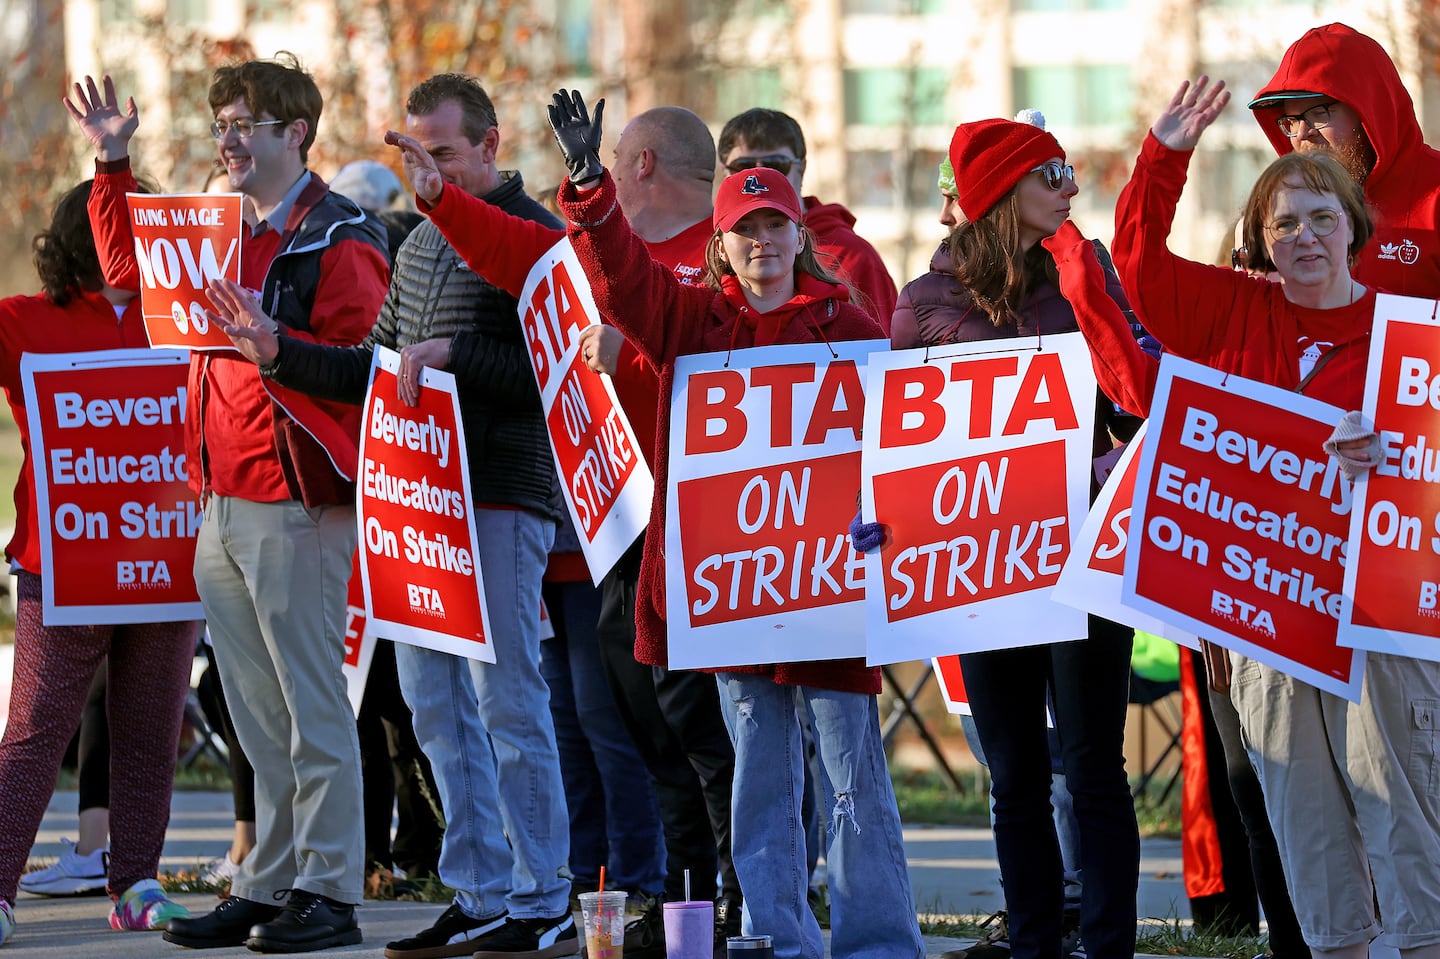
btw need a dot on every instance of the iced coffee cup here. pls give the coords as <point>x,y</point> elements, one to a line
<point>604,918</point>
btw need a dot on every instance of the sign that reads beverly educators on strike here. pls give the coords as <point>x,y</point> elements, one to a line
<point>117,518</point>
<point>1239,523</point>
<point>1394,575</point>
<point>359,639</point>
<point>608,488</point>
<point>182,242</point>
<point>978,462</point>
<point>418,553</point>
<point>764,468</point>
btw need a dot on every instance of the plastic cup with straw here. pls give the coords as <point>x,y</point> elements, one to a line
<point>689,927</point>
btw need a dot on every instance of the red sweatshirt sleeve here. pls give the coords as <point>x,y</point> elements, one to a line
<point>110,222</point>
<point>1189,307</point>
<point>1126,373</point>
<point>497,245</point>
<point>867,273</point>
<point>638,296</point>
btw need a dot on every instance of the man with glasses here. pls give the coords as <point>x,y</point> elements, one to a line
<point>769,138</point>
<point>1337,89</point>
<point>274,552</point>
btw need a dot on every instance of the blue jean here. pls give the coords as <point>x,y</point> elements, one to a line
<point>872,910</point>
<point>1088,681</point>
<point>614,817</point>
<point>486,729</point>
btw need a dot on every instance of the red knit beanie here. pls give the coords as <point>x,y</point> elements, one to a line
<point>990,157</point>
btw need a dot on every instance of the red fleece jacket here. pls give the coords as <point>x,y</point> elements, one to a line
<point>860,264</point>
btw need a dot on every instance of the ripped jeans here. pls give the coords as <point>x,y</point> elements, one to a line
<point>872,910</point>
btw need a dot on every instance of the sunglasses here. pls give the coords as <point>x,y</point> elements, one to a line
<point>780,164</point>
<point>1318,118</point>
<point>1239,258</point>
<point>1055,174</point>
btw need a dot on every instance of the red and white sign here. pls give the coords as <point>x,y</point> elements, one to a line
<point>1393,577</point>
<point>1094,576</point>
<point>117,518</point>
<point>1240,521</point>
<point>764,469</point>
<point>978,463</point>
<point>359,641</point>
<point>608,488</point>
<point>952,684</point>
<point>182,242</point>
<point>418,554</point>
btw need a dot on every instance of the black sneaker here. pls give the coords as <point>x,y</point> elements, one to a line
<point>452,934</point>
<point>645,935</point>
<point>727,924</point>
<point>308,921</point>
<point>537,938</point>
<point>994,944</point>
<point>227,925</point>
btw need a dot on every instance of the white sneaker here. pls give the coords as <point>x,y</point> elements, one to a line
<point>71,875</point>
<point>220,871</point>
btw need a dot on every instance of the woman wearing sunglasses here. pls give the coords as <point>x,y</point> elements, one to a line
<point>1349,787</point>
<point>993,280</point>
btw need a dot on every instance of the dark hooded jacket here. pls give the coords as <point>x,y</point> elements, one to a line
<point>1403,189</point>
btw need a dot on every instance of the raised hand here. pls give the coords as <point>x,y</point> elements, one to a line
<point>419,166</point>
<point>240,316</point>
<point>1189,112</point>
<point>99,118</point>
<point>578,135</point>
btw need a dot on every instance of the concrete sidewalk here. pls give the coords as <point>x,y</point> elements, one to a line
<point>953,871</point>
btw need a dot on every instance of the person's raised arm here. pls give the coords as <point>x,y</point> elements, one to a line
<point>1183,303</point>
<point>108,129</point>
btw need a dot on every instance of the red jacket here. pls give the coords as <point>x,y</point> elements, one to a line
<point>1218,316</point>
<point>235,451</point>
<point>35,324</point>
<point>860,265</point>
<point>1403,189</point>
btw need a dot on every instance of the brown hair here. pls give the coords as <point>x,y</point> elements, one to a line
<point>279,87</point>
<point>1318,172</point>
<point>463,89</point>
<point>65,254</point>
<point>760,127</point>
<point>806,261</point>
<point>990,264</point>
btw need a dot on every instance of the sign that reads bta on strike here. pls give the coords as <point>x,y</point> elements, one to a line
<point>182,242</point>
<point>418,555</point>
<point>118,519</point>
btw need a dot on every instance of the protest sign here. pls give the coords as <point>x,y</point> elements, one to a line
<point>418,555</point>
<point>764,469</point>
<point>182,242</point>
<point>359,641</point>
<point>607,486</point>
<point>952,684</point>
<point>117,518</point>
<point>978,462</point>
<point>1393,575</point>
<point>1241,521</point>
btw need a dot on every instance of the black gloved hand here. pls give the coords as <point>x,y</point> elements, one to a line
<point>578,135</point>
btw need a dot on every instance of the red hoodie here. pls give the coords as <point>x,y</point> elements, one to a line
<point>860,265</point>
<point>1403,189</point>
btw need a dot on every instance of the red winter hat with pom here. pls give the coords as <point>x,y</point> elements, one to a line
<point>990,157</point>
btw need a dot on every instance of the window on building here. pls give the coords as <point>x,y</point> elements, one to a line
<point>186,11</point>
<point>573,22</point>
<point>740,90</point>
<point>1076,94</point>
<point>116,11</point>
<point>891,96</point>
<point>875,178</point>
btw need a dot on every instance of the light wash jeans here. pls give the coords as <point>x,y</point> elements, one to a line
<point>872,910</point>
<point>506,783</point>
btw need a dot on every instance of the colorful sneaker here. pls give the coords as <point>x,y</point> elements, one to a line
<point>70,875</point>
<point>537,938</point>
<point>144,906</point>
<point>7,922</point>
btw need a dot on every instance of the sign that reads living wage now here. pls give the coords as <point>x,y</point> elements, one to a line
<point>418,555</point>
<point>182,242</point>
<point>978,462</point>
<point>117,517</point>
<point>764,469</point>
<point>1239,523</point>
<point>608,488</point>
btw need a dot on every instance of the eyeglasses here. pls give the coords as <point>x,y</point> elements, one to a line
<point>1055,174</point>
<point>244,129</point>
<point>780,163</point>
<point>1321,223</point>
<point>1318,117</point>
<point>1240,258</point>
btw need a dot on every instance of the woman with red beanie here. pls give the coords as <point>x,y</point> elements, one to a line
<point>1013,188</point>
<point>765,287</point>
